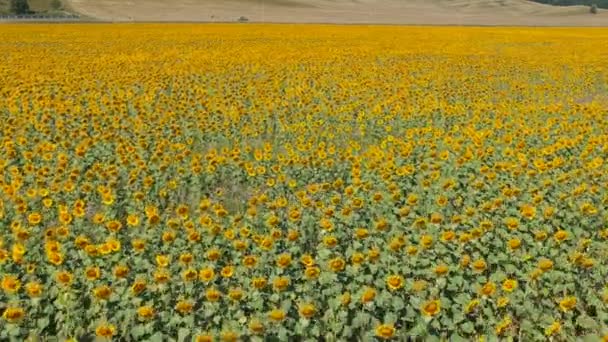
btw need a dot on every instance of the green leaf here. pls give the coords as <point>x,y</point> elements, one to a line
<point>42,323</point>
<point>398,303</point>
<point>591,338</point>
<point>157,337</point>
<point>137,331</point>
<point>586,322</point>
<point>457,338</point>
<point>182,334</point>
<point>468,327</point>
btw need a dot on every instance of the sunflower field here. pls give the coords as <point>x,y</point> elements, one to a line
<point>282,182</point>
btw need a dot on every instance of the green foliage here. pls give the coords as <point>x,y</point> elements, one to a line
<point>593,9</point>
<point>597,3</point>
<point>56,5</point>
<point>20,7</point>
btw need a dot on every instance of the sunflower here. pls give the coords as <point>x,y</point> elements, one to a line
<point>283,260</point>
<point>545,264</point>
<point>13,314</point>
<point>10,284</point>
<point>64,278</point>
<point>138,286</point>
<point>479,265</point>
<point>277,315</point>
<point>280,283</point>
<point>184,306</point>
<point>256,327</point>
<point>509,285</point>
<point>337,264</point>
<point>503,325</point>
<point>471,306</point>
<point>145,312</point>
<point>431,308</point>
<point>560,236</point>
<point>385,331</point>
<point>394,282</point>
<point>34,289</point>
<point>307,310</point>
<point>212,294</point>
<point>488,289</point>
<point>567,303</point>
<point>553,329</point>
<point>368,295</point>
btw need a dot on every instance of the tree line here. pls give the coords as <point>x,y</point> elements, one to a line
<point>598,3</point>
<point>21,7</point>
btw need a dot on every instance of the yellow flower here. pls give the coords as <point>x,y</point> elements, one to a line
<point>528,211</point>
<point>567,303</point>
<point>479,265</point>
<point>145,312</point>
<point>258,282</point>
<point>132,220</point>
<point>184,307</point>
<point>64,278</point>
<point>93,273</point>
<point>540,235</point>
<point>431,308</point>
<point>503,325</point>
<point>488,289</point>
<point>121,271</point>
<point>345,298</point>
<point>189,275</point>
<point>357,258</point>
<point>394,282</point>
<point>560,236</point>
<point>207,274</point>
<point>368,295</point>
<point>235,294</point>
<point>204,338</point>
<point>113,226</point>
<point>284,260</point>
<point>34,289</point>
<point>385,331</point>
<point>448,236</point>
<point>509,285</point>
<point>105,330</point>
<point>212,295</point>
<point>10,284</point>
<point>361,233</point>
<point>13,314</point>
<point>514,243</point>
<point>213,254</point>
<point>138,286</point>
<point>162,260</point>
<point>502,302</point>
<point>545,264</point>
<point>280,283</point>
<point>441,270</point>
<point>277,315</point>
<point>337,264</point>
<point>471,306</point>
<point>312,272</point>
<point>227,271</point>
<point>102,292</point>
<point>553,329</point>
<point>426,241</point>
<point>229,336</point>
<point>307,310</point>
<point>34,218</point>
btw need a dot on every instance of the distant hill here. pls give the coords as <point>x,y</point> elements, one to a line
<point>599,3</point>
<point>414,12</point>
